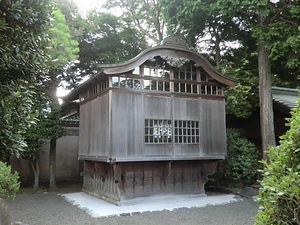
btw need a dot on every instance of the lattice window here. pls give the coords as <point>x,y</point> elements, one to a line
<point>211,90</point>
<point>186,131</point>
<point>126,82</point>
<point>185,88</point>
<point>156,85</point>
<point>186,72</point>
<point>158,131</point>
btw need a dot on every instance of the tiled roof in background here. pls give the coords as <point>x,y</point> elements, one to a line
<point>285,97</point>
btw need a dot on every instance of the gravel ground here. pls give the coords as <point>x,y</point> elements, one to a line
<point>51,209</point>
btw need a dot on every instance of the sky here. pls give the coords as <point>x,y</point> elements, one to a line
<point>86,5</point>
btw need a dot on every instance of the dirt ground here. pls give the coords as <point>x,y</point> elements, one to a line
<point>49,208</point>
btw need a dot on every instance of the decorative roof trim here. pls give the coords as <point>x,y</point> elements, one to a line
<point>171,52</point>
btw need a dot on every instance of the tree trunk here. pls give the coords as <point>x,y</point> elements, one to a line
<point>35,165</point>
<point>52,165</point>
<point>217,50</point>
<point>265,95</point>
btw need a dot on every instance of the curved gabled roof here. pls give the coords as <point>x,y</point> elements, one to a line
<point>172,47</point>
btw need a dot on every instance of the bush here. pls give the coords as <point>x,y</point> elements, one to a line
<point>9,184</point>
<point>241,162</point>
<point>279,195</point>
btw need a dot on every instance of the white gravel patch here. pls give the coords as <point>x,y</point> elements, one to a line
<point>99,208</point>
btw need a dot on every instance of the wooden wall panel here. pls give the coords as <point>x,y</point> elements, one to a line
<point>127,124</point>
<point>187,150</point>
<point>84,130</point>
<point>101,124</point>
<point>94,134</point>
<point>121,180</point>
<point>186,109</point>
<point>212,127</point>
<point>94,127</point>
<point>157,107</point>
<point>158,150</point>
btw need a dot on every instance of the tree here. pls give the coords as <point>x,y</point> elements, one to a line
<point>73,18</point>
<point>273,25</point>
<point>63,50</point>
<point>146,15</point>
<point>264,17</point>
<point>201,24</point>
<point>16,115</point>
<point>279,195</point>
<point>47,127</point>
<point>106,39</point>
<point>23,65</point>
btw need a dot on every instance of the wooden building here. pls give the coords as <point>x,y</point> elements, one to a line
<point>152,125</point>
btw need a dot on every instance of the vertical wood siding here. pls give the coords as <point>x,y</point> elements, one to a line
<point>94,127</point>
<point>143,178</point>
<point>126,138</point>
<point>127,124</point>
<point>101,180</point>
<point>212,127</point>
<point>84,130</point>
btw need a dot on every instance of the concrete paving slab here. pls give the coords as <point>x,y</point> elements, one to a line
<point>99,208</point>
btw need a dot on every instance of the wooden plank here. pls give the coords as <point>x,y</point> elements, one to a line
<point>157,107</point>
<point>84,130</point>
<point>187,150</point>
<point>127,124</point>
<point>212,125</point>
<point>138,177</point>
<point>129,178</point>
<point>186,109</point>
<point>158,150</point>
<point>157,177</point>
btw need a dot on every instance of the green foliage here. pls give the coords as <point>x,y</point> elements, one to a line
<point>9,184</point>
<point>73,18</point>
<point>16,115</point>
<point>47,127</point>
<point>237,102</point>
<point>23,64</point>
<point>279,195</point>
<point>241,162</point>
<point>145,15</point>
<point>106,39</point>
<point>23,39</point>
<point>63,47</point>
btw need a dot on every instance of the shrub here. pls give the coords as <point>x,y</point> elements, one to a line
<point>241,162</point>
<point>279,195</point>
<point>9,184</point>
